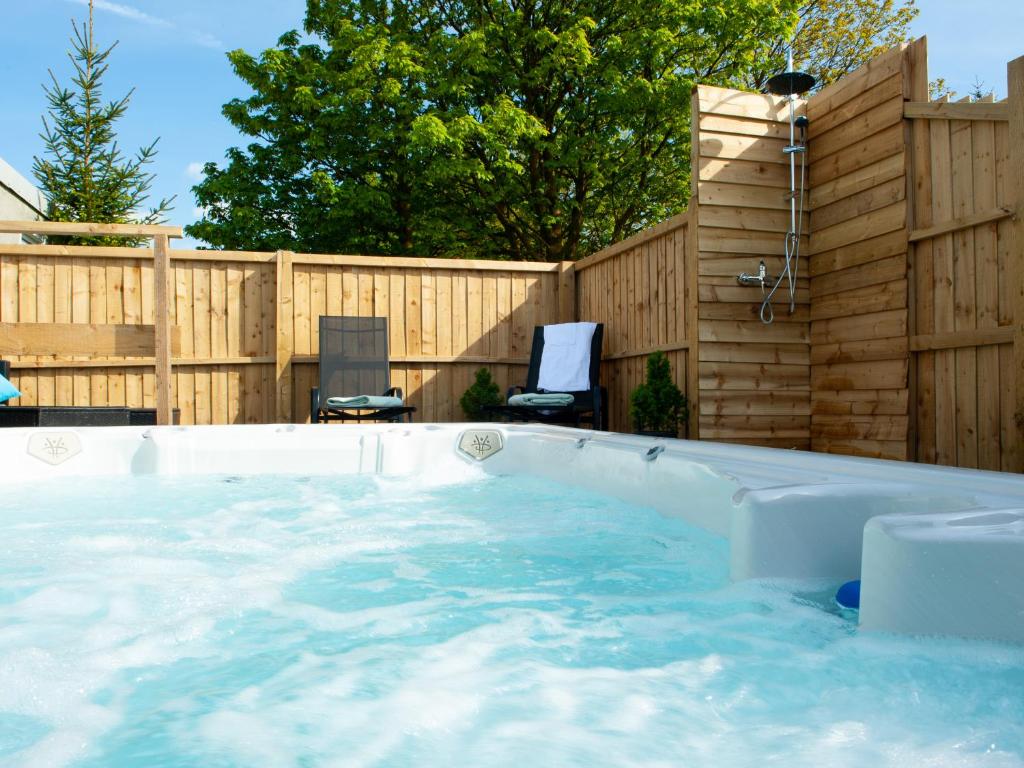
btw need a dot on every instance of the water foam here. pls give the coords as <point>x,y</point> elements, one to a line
<point>350,621</point>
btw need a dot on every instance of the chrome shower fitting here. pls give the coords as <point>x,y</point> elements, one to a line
<point>787,84</point>
<point>762,278</point>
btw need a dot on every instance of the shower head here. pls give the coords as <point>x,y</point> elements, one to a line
<point>790,83</point>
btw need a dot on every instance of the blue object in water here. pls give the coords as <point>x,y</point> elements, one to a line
<point>7,390</point>
<point>848,595</point>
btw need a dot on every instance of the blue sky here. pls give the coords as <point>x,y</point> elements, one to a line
<point>172,51</point>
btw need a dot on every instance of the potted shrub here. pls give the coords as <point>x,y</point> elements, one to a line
<point>657,406</point>
<point>481,393</point>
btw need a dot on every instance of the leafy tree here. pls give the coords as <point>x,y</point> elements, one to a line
<point>331,167</point>
<point>498,128</point>
<point>566,125</point>
<point>835,37</point>
<point>85,176</point>
<point>938,90</point>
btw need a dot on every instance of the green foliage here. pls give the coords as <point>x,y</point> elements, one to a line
<point>835,37</point>
<point>540,130</point>
<point>85,176</point>
<point>481,393</point>
<point>938,90</point>
<point>657,405</point>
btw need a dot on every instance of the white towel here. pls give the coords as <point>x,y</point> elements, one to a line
<point>565,363</point>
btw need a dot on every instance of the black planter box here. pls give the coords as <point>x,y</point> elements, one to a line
<point>76,416</point>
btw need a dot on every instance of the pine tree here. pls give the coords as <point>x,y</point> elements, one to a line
<point>85,176</point>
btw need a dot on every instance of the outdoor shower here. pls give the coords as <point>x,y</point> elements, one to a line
<point>788,83</point>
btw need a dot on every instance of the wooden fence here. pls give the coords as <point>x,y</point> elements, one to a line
<point>915,289</point>
<point>908,332</point>
<point>753,378</point>
<point>247,324</point>
<point>965,297</point>
<point>643,290</point>
<point>907,339</point>
<point>858,261</point>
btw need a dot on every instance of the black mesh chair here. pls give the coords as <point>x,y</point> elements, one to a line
<point>588,407</point>
<point>354,362</point>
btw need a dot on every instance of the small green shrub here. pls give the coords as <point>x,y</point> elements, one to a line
<point>657,405</point>
<point>482,392</point>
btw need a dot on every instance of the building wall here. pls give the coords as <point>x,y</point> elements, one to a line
<point>19,201</point>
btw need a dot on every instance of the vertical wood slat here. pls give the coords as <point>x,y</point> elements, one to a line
<point>161,284</point>
<point>285,337</point>
<point>1015,94</point>
<point>921,379</point>
<point>566,293</point>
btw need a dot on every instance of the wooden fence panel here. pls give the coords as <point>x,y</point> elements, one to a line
<point>963,308</point>
<point>858,262</point>
<point>637,288</point>
<point>447,318</point>
<point>753,378</point>
<point>444,322</point>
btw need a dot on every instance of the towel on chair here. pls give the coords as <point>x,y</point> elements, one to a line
<point>7,390</point>
<point>365,401</point>
<point>545,398</point>
<point>565,361</point>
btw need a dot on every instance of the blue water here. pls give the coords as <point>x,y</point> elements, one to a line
<point>284,621</point>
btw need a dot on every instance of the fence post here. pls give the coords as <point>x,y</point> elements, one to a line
<point>567,292</point>
<point>691,268</point>
<point>919,204</point>
<point>1015,177</point>
<point>285,333</point>
<point>162,320</point>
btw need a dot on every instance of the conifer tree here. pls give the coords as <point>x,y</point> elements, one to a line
<point>84,175</point>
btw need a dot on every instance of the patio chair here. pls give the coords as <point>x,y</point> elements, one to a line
<point>353,364</point>
<point>563,381</point>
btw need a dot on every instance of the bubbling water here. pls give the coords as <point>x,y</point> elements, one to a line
<point>284,621</point>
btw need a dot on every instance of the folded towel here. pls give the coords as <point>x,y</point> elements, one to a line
<point>565,362</point>
<point>7,390</point>
<point>542,398</point>
<point>365,401</point>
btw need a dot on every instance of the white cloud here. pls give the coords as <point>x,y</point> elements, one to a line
<point>194,171</point>
<point>204,39</point>
<point>207,40</point>
<point>126,11</point>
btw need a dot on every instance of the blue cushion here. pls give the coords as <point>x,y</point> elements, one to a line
<point>7,390</point>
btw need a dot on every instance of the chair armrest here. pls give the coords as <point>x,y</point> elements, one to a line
<point>395,392</point>
<point>314,405</point>
<point>512,390</point>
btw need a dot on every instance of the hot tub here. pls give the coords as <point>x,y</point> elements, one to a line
<point>464,594</point>
<point>944,551</point>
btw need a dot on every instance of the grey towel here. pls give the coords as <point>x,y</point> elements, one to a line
<point>542,398</point>
<point>365,401</point>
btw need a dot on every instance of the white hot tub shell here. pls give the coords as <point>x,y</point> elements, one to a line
<point>938,550</point>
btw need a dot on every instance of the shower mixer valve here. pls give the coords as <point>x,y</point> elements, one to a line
<point>762,278</point>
